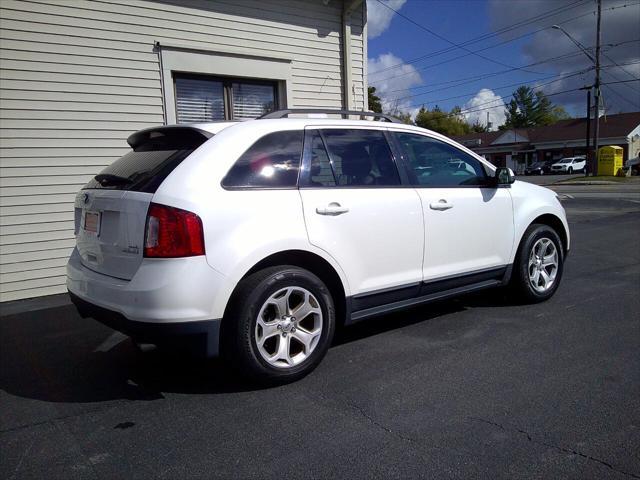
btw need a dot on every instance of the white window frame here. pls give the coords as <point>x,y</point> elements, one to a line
<point>181,59</point>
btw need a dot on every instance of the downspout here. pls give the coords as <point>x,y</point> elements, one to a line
<point>347,75</point>
<point>164,99</point>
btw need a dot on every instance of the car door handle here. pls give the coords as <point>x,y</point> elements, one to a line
<point>441,204</point>
<point>333,208</point>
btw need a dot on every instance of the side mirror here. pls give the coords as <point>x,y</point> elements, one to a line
<point>504,176</point>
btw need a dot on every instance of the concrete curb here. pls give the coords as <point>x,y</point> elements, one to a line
<point>595,182</point>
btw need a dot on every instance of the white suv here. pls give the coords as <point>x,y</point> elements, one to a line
<point>569,165</point>
<point>255,239</point>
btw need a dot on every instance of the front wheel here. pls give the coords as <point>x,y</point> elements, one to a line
<point>538,266</point>
<point>280,324</point>
<point>570,170</point>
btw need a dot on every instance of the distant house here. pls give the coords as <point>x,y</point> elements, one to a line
<point>518,148</point>
<point>78,77</point>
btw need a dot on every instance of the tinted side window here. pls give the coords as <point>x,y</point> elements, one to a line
<point>436,163</point>
<point>357,158</point>
<point>271,162</point>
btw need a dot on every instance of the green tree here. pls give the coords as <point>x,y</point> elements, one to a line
<point>374,100</point>
<point>531,109</point>
<point>478,127</point>
<point>451,124</point>
<point>405,117</point>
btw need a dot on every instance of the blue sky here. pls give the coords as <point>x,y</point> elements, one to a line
<point>396,44</point>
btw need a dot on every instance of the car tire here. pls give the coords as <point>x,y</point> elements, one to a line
<point>261,336</point>
<point>541,172</point>
<point>570,170</point>
<point>540,250</point>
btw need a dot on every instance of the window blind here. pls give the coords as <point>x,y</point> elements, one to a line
<point>199,100</point>
<point>250,100</point>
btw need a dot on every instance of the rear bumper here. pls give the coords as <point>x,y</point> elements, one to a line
<point>202,336</point>
<point>161,291</point>
<point>166,302</point>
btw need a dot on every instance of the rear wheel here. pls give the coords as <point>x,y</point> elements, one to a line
<point>539,262</point>
<point>280,324</point>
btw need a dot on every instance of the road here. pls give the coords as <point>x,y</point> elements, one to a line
<point>477,387</point>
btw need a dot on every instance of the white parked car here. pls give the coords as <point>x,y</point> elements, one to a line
<point>569,165</point>
<point>255,239</point>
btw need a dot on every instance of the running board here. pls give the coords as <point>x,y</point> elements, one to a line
<point>411,302</point>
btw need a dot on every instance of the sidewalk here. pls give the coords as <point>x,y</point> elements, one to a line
<point>621,181</point>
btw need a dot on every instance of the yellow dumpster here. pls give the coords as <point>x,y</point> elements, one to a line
<point>609,160</point>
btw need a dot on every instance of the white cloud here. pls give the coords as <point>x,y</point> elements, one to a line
<point>394,84</point>
<point>485,101</point>
<point>379,17</point>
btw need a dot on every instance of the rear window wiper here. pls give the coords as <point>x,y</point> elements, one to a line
<point>109,179</point>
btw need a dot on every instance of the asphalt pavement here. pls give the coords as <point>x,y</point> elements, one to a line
<point>478,387</point>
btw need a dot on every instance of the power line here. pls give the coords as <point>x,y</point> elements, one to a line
<point>550,13</point>
<point>480,77</point>
<point>464,111</point>
<point>621,68</point>
<point>561,77</point>
<point>466,80</point>
<point>507,96</point>
<point>489,74</point>
<point>435,34</point>
<point>622,97</point>
<point>415,70</point>
<point>622,81</point>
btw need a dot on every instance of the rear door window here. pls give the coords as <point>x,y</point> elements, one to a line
<point>350,158</point>
<point>154,156</point>
<point>271,162</point>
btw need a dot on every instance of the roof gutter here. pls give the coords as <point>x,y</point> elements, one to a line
<point>349,6</point>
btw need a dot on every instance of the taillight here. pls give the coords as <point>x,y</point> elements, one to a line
<point>172,232</point>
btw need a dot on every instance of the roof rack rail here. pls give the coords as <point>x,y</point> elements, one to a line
<point>290,111</point>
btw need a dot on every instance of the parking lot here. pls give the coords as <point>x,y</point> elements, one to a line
<point>477,387</point>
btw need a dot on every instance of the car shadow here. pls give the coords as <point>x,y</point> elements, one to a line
<point>497,297</point>
<point>55,356</point>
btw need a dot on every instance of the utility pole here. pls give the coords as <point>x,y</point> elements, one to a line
<point>587,169</point>
<point>596,86</point>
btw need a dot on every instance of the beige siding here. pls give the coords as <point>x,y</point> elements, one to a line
<point>78,76</point>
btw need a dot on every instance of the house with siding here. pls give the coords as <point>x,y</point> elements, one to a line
<point>78,76</point>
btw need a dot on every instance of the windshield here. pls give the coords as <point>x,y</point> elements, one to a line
<point>566,160</point>
<point>536,164</point>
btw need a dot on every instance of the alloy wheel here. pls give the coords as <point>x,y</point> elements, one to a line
<point>288,327</point>
<point>543,265</point>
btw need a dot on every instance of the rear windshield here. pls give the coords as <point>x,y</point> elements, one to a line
<point>151,160</point>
